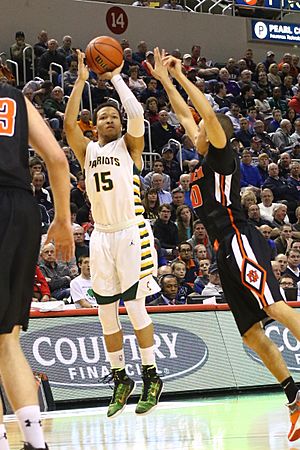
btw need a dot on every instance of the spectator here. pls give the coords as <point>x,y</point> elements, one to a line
<point>223,101</point>
<point>56,274</point>
<point>295,137</point>
<point>248,198</point>
<point>203,278</point>
<point>246,79</point>
<point>140,55</point>
<point>54,108</point>
<point>151,110</point>
<point>41,195</point>
<point>169,290</point>
<point>234,116</point>
<point>267,206</point>
<point>81,287</point>
<point>51,55</point>
<point>184,183</point>
<point>262,104</point>
<point>284,165</point>
<point>148,60</point>
<point>232,87</point>
<point>200,252</point>
<point>184,222</point>
<point>250,175</point>
<point>164,229</point>
<point>84,122</point>
<point>70,76</point>
<point>266,232</point>
<point>66,48</point>
<point>254,216</point>
<point>213,287</point>
<point>296,226</point>
<point>136,84</point>
<point>151,204</point>
<point>276,270</point>
<point>200,237</point>
<point>262,166</point>
<point>284,241</point>
<point>41,291</point>
<point>244,135</point>
<point>274,124</point>
<point>171,167</point>
<point>78,194</point>
<point>282,138</point>
<point>185,250</point>
<point>279,215</point>
<point>282,260</point>
<point>157,183</point>
<point>293,261</point>
<point>16,54</point>
<point>267,143</point>
<point>277,102</point>
<point>273,77</point>
<point>278,185</point>
<point>81,249</point>
<point>150,91</point>
<point>162,131</point>
<point>189,151</point>
<point>179,270</point>
<point>158,167</point>
<point>286,89</point>
<point>245,99</point>
<point>270,59</point>
<point>41,46</point>
<point>101,92</point>
<point>177,200</point>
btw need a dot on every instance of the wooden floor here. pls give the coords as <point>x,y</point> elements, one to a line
<point>247,422</point>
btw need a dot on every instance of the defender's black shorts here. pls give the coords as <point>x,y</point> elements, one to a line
<point>246,276</point>
<point>19,248</point>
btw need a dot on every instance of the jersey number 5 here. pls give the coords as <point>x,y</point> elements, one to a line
<point>8,109</point>
<point>103,182</point>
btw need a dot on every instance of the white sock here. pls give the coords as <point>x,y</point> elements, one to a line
<point>147,355</point>
<point>3,438</point>
<point>29,418</point>
<point>117,359</point>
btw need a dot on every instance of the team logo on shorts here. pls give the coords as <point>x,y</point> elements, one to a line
<point>253,276</point>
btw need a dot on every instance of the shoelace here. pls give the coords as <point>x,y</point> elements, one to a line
<point>107,379</point>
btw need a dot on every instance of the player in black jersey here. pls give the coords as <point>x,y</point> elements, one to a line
<point>243,256</point>
<point>20,233</point>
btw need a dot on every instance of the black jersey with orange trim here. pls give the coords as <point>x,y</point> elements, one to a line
<point>215,192</point>
<point>14,170</point>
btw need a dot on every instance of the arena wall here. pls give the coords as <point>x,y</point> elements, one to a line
<point>219,36</point>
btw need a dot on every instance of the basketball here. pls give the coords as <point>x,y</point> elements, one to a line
<point>103,54</point>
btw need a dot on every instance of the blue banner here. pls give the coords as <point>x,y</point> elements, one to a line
<point>275,31</point>
<point>274,4</point>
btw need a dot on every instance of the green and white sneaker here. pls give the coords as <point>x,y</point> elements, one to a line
<point>152,387</point>
<point>123,387</point>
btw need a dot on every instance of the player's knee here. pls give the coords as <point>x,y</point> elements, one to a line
<point>252,336</point>
<point>109,318</point>
<point>278,311</point>
<point>138,314</point>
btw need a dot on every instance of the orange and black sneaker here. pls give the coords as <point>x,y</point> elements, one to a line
<point>294,409</point>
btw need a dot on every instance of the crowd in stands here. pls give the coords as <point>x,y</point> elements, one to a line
<point>262,99</point>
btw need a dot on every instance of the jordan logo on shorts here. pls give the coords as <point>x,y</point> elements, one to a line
<point>131,243</point>
<point>253,276</point>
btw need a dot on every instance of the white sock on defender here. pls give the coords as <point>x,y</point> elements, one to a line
<point>3,438</point>
<point>116,359</point>
<point>29,419</point>
<point>147,355</point>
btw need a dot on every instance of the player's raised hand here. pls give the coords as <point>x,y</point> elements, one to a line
<point>83,71</point>
<point>174,66</point>
<point>61,234</point>
<point>109,75</point>
<point>159,71</point>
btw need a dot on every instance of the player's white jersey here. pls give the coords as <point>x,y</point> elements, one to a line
<point>112,184</point>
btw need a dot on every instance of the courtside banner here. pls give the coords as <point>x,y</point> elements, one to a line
<point>275,31</point>
<point>195,351</point>
<point>272,4</point>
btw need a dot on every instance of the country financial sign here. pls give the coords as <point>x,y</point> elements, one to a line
<point>272,31</point>
<point>74,355</point>
<point>287,344</point>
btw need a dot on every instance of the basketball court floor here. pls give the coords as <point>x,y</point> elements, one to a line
<point>244,422</point>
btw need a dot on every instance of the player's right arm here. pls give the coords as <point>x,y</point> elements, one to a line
<point>75,138</point>
<point>180,107</point>
<point>213,129</point>
<point>42,140</point>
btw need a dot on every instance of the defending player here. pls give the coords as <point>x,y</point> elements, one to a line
<point>19,247</point>
<point>251,289</point>
<point>121,247</point>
